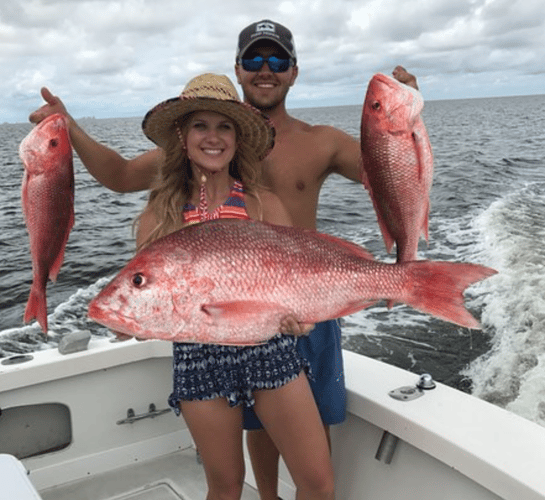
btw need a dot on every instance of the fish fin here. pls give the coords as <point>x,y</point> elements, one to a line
<point>423,151</point>
<point>386,236</point>
<point>230,310</point>
<point>56,267</point>
<point>243,311</point>
<point>348,245</point>
<point>36,308</point>
<point>363,175</point>
<point>356,306</point>
<point>425,165</point>
<point>425,223</point>
<point>437,288</point>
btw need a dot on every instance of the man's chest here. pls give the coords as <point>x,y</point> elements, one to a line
<point>296,166</point>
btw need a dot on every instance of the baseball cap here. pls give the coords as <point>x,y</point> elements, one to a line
<point>266,30</point>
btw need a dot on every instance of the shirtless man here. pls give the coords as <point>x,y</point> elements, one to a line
<point>303,157</point>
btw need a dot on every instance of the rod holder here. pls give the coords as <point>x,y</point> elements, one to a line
<point>386,448</point>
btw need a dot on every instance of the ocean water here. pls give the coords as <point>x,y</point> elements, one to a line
<point>487,207</point>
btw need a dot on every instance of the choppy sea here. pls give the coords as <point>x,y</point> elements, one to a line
<point>487,207</point>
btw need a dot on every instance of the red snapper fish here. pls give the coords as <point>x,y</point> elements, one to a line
<point>233,281</point>
<point>48,205</point>
<point>397,163</point>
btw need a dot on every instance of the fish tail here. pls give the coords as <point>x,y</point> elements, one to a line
<point>36,307</point>
<point>437,288</point>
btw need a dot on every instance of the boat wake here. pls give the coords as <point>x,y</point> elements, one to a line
<point>512,373</point>
<point>68,317</point>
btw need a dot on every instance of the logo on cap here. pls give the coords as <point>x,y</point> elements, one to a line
<point>265,26</point>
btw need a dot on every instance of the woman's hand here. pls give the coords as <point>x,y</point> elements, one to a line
<point>290,326</point>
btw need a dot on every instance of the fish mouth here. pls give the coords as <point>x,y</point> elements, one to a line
<point>119,323</point>
<point>392,83</point>
<point>96,313</point>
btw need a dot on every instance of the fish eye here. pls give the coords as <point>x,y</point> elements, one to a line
<point>376,105</point>
<point>138,280</point>
<point>53,143</point>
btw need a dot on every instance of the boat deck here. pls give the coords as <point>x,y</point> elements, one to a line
<point>171,477</point>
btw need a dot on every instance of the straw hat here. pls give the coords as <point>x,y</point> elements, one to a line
<point>210,92</point>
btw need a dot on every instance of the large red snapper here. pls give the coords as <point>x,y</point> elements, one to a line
<point>398,163</point>
<point>233,281</point>
<point>48,205</point>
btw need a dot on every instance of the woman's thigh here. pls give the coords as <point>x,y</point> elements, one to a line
<point>216,429</point>
<point>291,418</point>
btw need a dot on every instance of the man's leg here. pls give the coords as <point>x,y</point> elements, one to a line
<point>264,457</point>
<point>322,348</point>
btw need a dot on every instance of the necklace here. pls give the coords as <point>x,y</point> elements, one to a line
<point>202,209</point>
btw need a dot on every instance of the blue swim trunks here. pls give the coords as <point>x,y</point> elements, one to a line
<point>322,349</point>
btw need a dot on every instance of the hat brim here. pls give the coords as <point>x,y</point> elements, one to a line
<point>255,127</point>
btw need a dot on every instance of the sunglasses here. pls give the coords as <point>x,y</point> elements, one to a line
<point>276,65</point>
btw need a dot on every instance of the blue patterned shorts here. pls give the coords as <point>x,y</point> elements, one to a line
<point>208,371</point>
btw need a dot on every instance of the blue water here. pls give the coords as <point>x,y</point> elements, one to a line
<point>488,207</point>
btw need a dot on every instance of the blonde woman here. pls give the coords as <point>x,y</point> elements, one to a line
<point>212,144</point>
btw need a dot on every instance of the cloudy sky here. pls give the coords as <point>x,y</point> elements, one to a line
<point>118,58</point>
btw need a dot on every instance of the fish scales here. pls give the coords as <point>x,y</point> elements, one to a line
<point>233,281</point>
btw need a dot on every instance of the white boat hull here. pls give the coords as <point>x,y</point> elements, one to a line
<point>448,445</point>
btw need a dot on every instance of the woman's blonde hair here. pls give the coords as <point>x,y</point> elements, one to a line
<point>175,182</point>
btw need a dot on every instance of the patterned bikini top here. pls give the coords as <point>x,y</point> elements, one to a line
<point>233,208</point>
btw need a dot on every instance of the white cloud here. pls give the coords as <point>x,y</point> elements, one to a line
<point>98,52</point>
